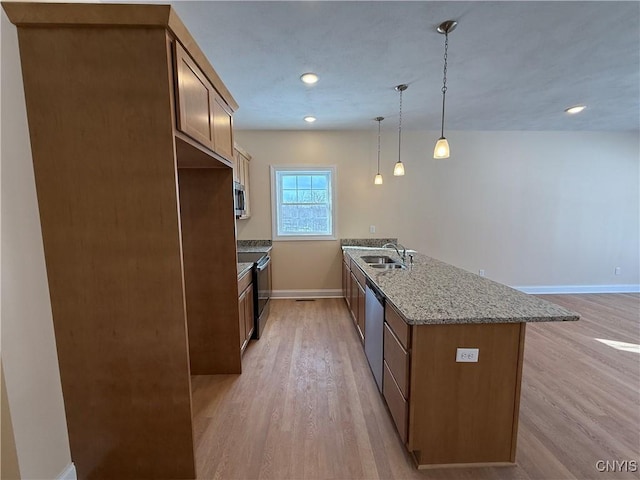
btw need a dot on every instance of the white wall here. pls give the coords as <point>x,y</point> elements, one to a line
<point>29,357</point>
<point>530,208</point>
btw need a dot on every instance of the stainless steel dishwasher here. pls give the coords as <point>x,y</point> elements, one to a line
<point>374,330</point>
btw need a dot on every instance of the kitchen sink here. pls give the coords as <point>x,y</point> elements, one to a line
<point>377,259</point>
<point>387,266</point>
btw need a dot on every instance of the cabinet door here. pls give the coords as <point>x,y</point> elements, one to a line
<point>354,298</point>
<point>361,306</point>
<point>195,99</point>
<point>345,276</point>
<point>242,300</point>
<point>248,313</point>
<point>347,283</point>
<point>237,159</point>
<point>222,127</point>
<point>247,203</point>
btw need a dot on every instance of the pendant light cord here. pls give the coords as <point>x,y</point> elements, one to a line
<point>400,126</point>
<point>444,80</point>
<point>379,121</point>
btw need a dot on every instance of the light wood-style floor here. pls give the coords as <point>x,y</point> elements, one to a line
<point>307,407</point>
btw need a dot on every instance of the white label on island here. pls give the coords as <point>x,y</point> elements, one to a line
<point>467,354</point>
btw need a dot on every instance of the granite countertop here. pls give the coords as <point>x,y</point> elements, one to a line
<point>257,249</point>
<point>244,267</point>
<point>433,292</point>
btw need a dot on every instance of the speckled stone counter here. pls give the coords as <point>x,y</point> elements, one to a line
<point>366,242</point>
<point>244,267</point>
<point>433,292</point>
<point>256,249</point>
<point>254,245</point>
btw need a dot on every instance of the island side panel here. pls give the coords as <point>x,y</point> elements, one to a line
<point>516,399</point>
<point>99,110</point>
<point>463,413</point>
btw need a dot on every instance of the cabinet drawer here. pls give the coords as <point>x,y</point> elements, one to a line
<point>398,325</point>
<point>397,359</point>
<point>398,406</point>
<point>244,282</point>
<point>358,273</point>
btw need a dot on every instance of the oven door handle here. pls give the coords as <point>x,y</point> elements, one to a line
<point>263,264</point>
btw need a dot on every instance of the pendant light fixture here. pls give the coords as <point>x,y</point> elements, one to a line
<point>378,179</point>
<point>441,149</point>
<point>398,169</point>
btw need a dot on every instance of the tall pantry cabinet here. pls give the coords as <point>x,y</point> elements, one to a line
<point>132,142</point>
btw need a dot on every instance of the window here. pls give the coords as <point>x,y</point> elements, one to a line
<point>303,203</point>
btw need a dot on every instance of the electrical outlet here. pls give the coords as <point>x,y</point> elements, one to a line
<point>467,354</point>
<point>372,229</point>
<point>481,272</point>
<point>617,271</point>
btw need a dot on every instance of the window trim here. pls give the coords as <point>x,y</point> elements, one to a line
<point>274,202</point>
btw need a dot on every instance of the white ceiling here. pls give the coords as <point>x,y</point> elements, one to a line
<point>512,65</point>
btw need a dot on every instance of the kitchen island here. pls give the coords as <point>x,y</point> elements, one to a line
<point>451,407</point>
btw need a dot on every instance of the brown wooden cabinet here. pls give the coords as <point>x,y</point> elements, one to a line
<point>347,284</point>
<point>249,323</point>
<point>361,310</point>
<point>245,308</point>
<point>195,99</point>
<point>353,301</point>
<point>353,290</point>
<point>345,276</point>
<point>149,294</point>
<point>241,162</point>
<point>448,412</point>
<point>222,127</point>
<point>202,113</point>
<point>396,369</point>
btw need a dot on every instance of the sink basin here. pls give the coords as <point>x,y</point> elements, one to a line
<point>387,266</point>
<point>377,259</point>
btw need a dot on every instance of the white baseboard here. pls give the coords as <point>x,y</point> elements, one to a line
<point>68,473</point>
<point>558,289</point>
<point>329,293</point>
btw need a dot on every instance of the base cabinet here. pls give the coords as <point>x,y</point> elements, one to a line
<point>447,426</point>
<point>353,290</point>
<point>447,412</point>
<point>361,310</point>
<point>245,308</point>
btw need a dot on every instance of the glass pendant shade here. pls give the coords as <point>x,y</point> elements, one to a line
<point>398,170</point>
<point>442,148</point>
<point>378,180</point>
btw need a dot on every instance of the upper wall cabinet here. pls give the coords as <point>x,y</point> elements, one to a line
<point>202,112</point>
<point>222,127</point>
<point>241,160</point>
<point>195,98</point>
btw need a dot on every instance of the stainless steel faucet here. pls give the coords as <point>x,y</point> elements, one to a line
<point>403,255</point>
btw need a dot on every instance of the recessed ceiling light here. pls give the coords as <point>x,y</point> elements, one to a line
<point>309,78</point>
<point>575,109</point>
<point>310,119</point>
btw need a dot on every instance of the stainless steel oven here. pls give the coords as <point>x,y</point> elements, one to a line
<point>261,287</point>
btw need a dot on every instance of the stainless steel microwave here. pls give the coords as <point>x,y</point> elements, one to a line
<point>239,200</point>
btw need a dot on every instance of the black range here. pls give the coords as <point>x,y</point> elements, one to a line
<point>261,287</point>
